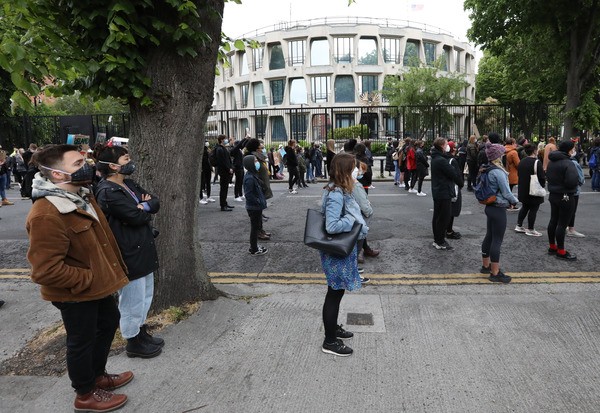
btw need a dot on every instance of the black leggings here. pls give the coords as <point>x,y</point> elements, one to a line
<point>496,227</point>
<point>409,178</point>
<point>575,203</point>
<point>205,183</point>
<point>293,176</point>
<point>420,183</point>
<point>530,211</point>
<point>331,310</point>
<point>560,214</point>
<point>442,212</point>
<point>473,171</point>
<point>255,227</point>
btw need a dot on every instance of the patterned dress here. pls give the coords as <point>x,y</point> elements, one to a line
<point>341,272</point>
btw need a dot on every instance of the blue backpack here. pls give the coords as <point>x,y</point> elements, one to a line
<point>483,192</point>
<point>593,162</point>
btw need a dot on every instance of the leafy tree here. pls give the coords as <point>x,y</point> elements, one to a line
<point>549,49</point>
<point>6,90</point>
<point>421,89</point>
<point>83,105</point>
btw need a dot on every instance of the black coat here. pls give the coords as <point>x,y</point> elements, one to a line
<point>561,174</point>
<point>422,163</point>
<point>130,225</point>
<point>443,176</point>
<point>525,171</point>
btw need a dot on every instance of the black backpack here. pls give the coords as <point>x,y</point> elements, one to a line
<point>212,157</point>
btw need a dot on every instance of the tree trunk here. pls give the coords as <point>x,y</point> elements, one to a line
<point>573,85</point>
<point>167,141</point>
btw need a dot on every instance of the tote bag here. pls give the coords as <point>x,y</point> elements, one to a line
<point>535,188</point>
<point>315,235</point>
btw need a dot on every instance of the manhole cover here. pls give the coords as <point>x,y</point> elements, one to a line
<point>360,319</point>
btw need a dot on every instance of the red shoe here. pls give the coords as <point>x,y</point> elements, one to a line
<point>99,401</point>
<point>371,253</point>
<point>113,381</point>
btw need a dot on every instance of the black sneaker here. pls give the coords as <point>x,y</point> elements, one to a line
<point>259,251</point>
<point>364,280</point>
<point>500,278</point>
<point>485,270</point>
<point>551,251</point>
<point>447,246</point>
<point>361,270</point>
<point>341,333</point>
<point>453,235</point>
<point>337,349</point>
<point>567,256</point>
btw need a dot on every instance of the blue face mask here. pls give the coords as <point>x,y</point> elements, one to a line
<point>264,151</point>
<point>257,165</point>
<point>359,176</point>
<point>226,142</point>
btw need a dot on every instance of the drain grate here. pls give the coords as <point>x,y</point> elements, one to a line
<point>360,319</point>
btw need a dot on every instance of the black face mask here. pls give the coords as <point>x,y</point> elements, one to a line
<point>83,175</point>
<point>127,169</point>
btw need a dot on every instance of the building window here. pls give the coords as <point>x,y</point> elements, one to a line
<point>343,49</point>
<point>276,61</point>
<point>391,50</point>
<point>260,126</point>
<point>257,58</point>
<point>231,98</point>
<point>390,123</point>
<point>297,52</point>
<point>344,120</point>
<point>320,125</point>
<point>244,90</point>
<point>298,93</point>
<point>344,89</point>
<point>368,83</point>
<point>467,63</point>
<point>367,51</point>
<point>230,62</point>
<point>243,64</point>
<point>457,60</point>
<point>278,132</point>
<point>429,53</point>
<point>277,91</point>
<point>446,62</point>
<point>259,95</point>
<point>299,126</point>
<point>320,89</point>
<point>411,53</point>
<point>319,52</point>
<point>243,124</point>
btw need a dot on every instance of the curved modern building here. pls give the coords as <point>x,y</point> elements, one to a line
<point>310,76</point>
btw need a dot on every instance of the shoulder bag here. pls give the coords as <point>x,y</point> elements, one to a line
<point>535,188</point>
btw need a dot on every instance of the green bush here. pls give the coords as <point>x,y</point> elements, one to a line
<point>348,133</point>
<point>378,148</point>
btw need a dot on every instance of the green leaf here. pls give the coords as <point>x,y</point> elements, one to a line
<point>240,45</point>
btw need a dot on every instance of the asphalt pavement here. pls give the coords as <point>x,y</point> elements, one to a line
<point>441,338</point>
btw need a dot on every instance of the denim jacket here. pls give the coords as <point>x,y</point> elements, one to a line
<point>334,204</point>
<point>580,174</point>
<point>498,181</point>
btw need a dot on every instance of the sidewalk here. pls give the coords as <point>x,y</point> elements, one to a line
<point>487,348</point>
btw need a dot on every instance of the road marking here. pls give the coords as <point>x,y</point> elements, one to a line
<point>15,270</point>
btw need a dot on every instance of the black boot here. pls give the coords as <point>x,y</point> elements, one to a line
<point>138,347</point>
<point>144,335</point>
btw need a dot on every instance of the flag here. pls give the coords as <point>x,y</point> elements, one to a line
<point>416,7</point>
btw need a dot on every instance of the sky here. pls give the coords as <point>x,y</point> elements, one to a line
<point>240,19</point>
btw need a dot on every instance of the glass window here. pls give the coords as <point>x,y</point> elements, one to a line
<point>277,61</point>
<point>257,58</point>
<point>411,53</point>
<point>259,95</point>
<point>344,89</point>
<point>230,61</point>
<point>243,64</point>
<point>391,50</point>
<point>457,60</point>
<point>297,52</point>
<point>244,91</point>
<point>278,132</point>
<point>429,52</point>
<point>298,93</point>
<point>367,51</point>
<point>319,52</point>
<point>320,124</point>
<point>260,126</point>
<point>231,98</point>
<point>320,89</point>
<point>243,124</point>
<point>391,124</point>
<point>467,63</point>
<point>277,90</point>
<point>446,62</point>
<point>299,126</point>
<point>343,49</point>
<point>344,120</point>
<point>368,83</point>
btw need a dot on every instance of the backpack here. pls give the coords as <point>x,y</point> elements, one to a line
<point>504,160</point>
<point>483,192</point>
<point>212,157</point>
<point>593,162</point>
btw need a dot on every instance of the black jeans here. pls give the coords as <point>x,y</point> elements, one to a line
<point>331,310</point>
<point>255,227</point>
<point>205,183</point>
<point>473,171</point>
<point>409,178</point>
<point>442,212</point>
<point>90,327</point>
<point>560,215</point>
<point>294,174</point>
<point>496,227</point>
<point>530,211</point>
<point>575,203</point>
<point>224,179</point>
<point>239,180</point>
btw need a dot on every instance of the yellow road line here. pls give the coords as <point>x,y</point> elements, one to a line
<point>14,270</point>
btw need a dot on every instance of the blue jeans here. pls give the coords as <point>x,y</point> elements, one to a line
<point>3,179</point>
<point>596,180</point>
<point>397,172</point>
<point>309,172</point>
<point>134,302</point>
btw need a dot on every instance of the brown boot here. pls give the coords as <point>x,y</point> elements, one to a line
<point>371,252</point>
<point>361,257</point>
<point>99,401</point>
<point>7,202</point>
<point>110,382</point>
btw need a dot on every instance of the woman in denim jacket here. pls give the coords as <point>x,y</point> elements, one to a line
<point>496,214</point>
<point>341,211</point>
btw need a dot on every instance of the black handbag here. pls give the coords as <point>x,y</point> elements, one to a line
<point>315,235</point>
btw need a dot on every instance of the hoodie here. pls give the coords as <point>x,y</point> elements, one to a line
<point>561,174</point>
<point>253,186</point>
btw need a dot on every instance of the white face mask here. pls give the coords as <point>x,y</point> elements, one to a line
<point>447,148</point>
<point>355,173</point>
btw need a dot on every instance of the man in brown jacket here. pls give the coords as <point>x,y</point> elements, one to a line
<point>76,260</point>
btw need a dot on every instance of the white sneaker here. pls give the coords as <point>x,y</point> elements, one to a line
<point>520,229</point>
<point>231,185</point>
<point>533,233</point>
<point>412,191</point>
<point>203,201</point>
<point>210,200</point>
<point>421,194</point>
<point>573,233</point>
<point>239,199</point>
<point>293,191</point>
<point>372,187</point>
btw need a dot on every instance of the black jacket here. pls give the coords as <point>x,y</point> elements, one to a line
<point>561,174</point>
<point>525,171</point>
<point>422,163</point>
<point>291,160</point>
<point>253,187</point>
<point>223,159</point>
<point>130,225</point>
<point>237,154</point>
<point>443,176</point>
